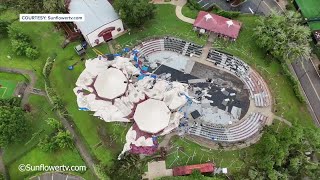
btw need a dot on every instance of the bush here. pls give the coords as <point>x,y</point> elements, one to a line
<point>32,53</point>
<point>21,43</point>
<point>3,27</point>
<point>1,176</point>
<point>12,102</point>
<point>19,47</point>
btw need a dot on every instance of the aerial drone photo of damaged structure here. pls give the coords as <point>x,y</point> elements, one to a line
<point>161,86</point>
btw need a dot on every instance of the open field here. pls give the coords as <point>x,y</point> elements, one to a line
<point>309,8</point>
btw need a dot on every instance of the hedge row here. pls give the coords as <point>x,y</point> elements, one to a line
<point>294,82</point>
<point>226,14</point>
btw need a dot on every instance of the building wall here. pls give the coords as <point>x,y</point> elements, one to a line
<point>91,38</point>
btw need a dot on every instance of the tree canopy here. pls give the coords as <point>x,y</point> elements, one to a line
<point>13,125</point>
<point>283,36</point>
<point>288,154</point>
<point>135,12</point>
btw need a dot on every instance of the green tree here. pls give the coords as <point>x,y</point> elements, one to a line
<point>19,47</point>
<point>283,36</point>
<point>55,124</point>
<point>53,6</point>
<point>29,6</point>
<point>1,176</point>
<point>58,103</point>
<point>47,144</point>
<point>13,125</point>
<point>287,154</point>
<point>32,53</point>
<point>4,28</point>
<point>135,12</point>
<point>64,139</point>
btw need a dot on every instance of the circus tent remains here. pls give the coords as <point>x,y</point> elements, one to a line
<point>152,116</point>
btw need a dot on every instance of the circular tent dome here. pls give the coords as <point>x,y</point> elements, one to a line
<point>111,83</point>
<point>152,116</point>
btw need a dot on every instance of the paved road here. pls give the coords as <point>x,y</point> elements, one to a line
<point>263,7</point>
<point>310,82</point>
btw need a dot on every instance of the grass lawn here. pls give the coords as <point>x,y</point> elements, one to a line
<point>191,13</point>
<point>309,8</point>
<point>7,88</point>
<point>287,104</point>
<point>183,156</point>
<point>27,150</point>
<point>314,26</point>
<point>37,157</point>
<point>13,77</point>
<point>8,82</point>
<point>164,23</point>
<point>41,110</point>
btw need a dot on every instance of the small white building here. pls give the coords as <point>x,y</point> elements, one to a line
<point>101,24</point>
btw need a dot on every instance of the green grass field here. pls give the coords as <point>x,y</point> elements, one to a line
<point>191,13</point>
<point>309,8</point>
<point>314,26</point>
<point>37,157</point>
<point>7,88</point>
<point>27,150</point>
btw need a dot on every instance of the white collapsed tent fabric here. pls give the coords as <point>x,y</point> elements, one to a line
<point>152,116</point>
<point>109,90</point>
<point>111,83</point>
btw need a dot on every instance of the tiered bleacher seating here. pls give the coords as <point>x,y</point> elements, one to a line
<point>234,133</point>
<point>255,85</point>
<point>170,44</point>
<point>151,46</point>
<point>174,44</point>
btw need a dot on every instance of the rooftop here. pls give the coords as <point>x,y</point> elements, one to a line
<point>217,24</point>
<point>97,13</point>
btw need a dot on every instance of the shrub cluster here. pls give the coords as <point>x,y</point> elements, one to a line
<point>21,43</point>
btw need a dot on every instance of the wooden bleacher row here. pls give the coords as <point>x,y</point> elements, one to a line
<point>234,133</point>
<point>169,44</point>
<point>151,46</point>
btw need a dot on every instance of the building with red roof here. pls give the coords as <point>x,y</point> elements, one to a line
<point>221,26</point>
<point>186,170</point>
